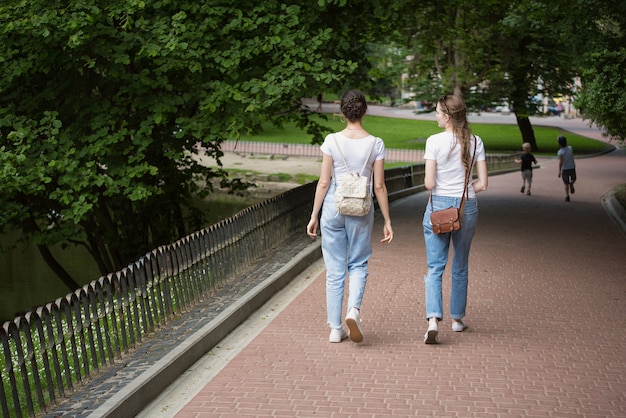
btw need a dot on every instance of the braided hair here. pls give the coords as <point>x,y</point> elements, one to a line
<point>455,107</point>
<point>353,105</point>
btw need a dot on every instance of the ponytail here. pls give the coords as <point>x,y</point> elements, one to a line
<point>454,107</point>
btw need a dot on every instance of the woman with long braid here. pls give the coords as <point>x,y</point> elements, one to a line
<point>448,157</point>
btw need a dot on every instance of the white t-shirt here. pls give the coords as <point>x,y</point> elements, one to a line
<point>450,179</point>
<point>354,151</point>
<point>567,154</point>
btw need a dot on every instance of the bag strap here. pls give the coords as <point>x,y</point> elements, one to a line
<point>468,174</point>
<point>344,159</point>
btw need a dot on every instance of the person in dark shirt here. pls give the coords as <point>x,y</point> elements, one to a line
<point>526,159</point>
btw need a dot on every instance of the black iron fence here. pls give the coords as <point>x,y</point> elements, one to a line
<point>51,350</point>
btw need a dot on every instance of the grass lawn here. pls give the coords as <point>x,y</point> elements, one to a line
<point>412,134</point>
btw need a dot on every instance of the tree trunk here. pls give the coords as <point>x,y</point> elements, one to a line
<point>66,278</point>
<point>57,268</point>
<point>458,90</point>
<point>526,129</point>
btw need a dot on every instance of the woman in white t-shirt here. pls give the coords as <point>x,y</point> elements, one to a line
<point>448,156</point>
<point>347,240</point>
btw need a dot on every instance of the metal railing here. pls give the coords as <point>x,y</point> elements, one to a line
<point>49,351</point>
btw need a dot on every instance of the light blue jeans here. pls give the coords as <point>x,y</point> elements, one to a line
<point>437,250</point>
<point>346,248</point>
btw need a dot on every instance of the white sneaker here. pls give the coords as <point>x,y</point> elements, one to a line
<point>431,335</point>
<point>458,326</point>
<point>353,321</point>
<point>337,335</point>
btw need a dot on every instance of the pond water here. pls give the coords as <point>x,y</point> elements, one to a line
<point>26,280</point>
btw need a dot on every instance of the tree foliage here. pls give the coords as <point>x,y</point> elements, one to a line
<point>104,106</point>
<point>602,97</point>
<point>498,50</point>
<point>538,56</point>
<point>453,41</point>
<point>388,70</point>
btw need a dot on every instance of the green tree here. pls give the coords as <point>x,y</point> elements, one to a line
<point>104,108</point>
<point>498,50</point>
<point>539,54</point>
<point>602,97</point>
<point>453,41</point>
<point>388,70</point>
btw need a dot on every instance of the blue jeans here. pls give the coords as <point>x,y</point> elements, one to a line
<point>346,248</point>
<point>437,250</point>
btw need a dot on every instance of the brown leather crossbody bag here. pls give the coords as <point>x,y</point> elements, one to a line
<point>448,220</point>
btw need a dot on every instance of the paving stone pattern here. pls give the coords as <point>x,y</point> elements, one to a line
<point>547,299</point>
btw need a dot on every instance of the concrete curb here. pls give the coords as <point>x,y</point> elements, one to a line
<point>134,397</point>
<point>615,210</point>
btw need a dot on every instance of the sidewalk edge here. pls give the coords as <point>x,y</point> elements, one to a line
<point>133,398</point>
<point>615,210</point>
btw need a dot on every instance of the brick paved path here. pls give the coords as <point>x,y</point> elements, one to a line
<point>547,303</point>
